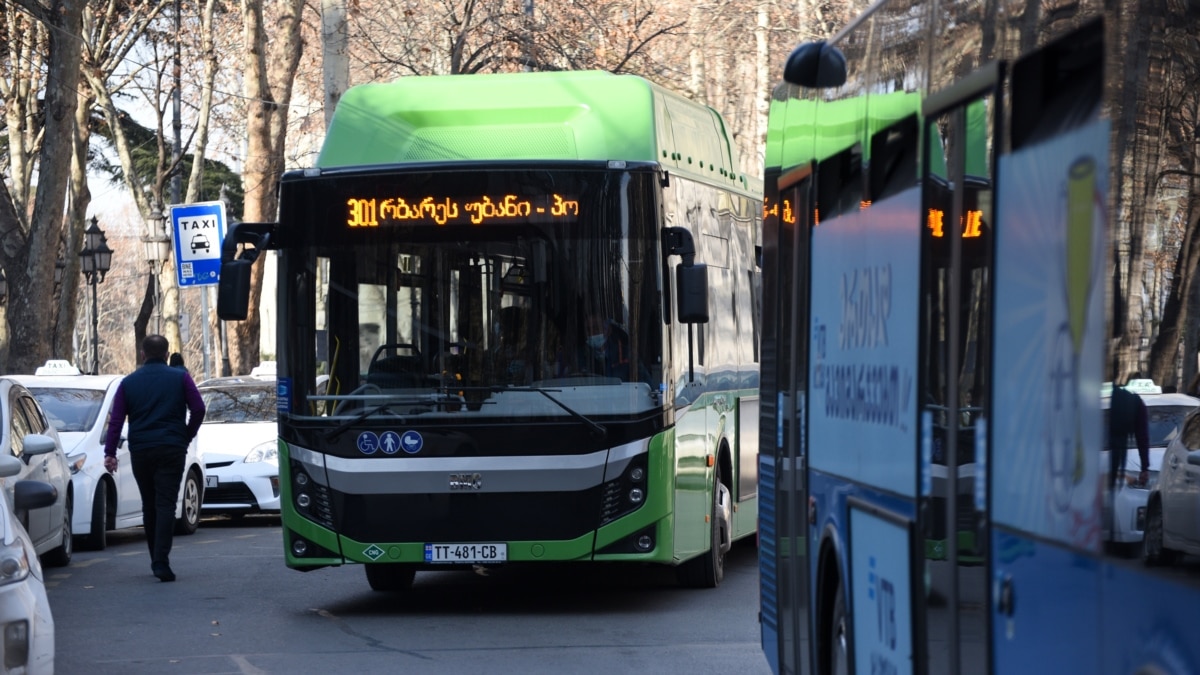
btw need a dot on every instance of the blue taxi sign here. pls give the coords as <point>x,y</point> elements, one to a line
<point>199,230</point>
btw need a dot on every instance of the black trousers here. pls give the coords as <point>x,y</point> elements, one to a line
<point>158,472</point>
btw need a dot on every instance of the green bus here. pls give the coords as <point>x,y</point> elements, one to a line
<point>533,302</point>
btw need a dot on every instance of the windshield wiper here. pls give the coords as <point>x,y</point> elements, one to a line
<point>600,430</point>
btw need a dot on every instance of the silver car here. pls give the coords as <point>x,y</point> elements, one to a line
<point>1173,510</point>
<point>28,436</point>
<point>26,623</point>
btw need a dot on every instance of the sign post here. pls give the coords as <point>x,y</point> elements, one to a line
<point>199,231</point>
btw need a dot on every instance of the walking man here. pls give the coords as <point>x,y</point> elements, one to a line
<point>165,411</point>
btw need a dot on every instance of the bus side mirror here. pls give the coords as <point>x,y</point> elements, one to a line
<point>691,283</point>
<point>233,286</point>
<point>233,290</point>
<point>815,65</point>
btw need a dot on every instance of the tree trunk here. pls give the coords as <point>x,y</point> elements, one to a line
<point>268,85</point>
<point>31,269</point>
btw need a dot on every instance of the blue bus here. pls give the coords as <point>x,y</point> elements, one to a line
<point>954,196</point>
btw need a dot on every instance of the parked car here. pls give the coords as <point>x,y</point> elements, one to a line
<point>78,407</point>
<point>1166,412</point>
<point>1173,508</point>
<point>239,445</point>
<point>28,437</point>
<point>26,622</point>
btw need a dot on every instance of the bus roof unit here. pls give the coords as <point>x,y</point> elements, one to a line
<point>571,116</point>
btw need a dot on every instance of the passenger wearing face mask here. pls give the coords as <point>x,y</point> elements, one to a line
<point>608,346</point>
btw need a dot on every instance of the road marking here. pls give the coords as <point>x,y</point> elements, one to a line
<point>129,553</point>
<point>245,667</point>
<point>246,536</point>
<point>87,563</point>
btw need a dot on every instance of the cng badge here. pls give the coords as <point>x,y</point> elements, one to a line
<point>373,552</point>
<point>466,481</point>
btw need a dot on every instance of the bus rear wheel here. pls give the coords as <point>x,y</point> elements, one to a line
<point>390,577</point>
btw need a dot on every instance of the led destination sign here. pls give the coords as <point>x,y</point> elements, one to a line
<point>373,212</point>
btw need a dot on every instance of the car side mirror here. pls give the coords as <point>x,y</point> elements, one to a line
<point>33,494</point>
<point>37,444</point>
<point>1193,458</point>
<point>10,466</point>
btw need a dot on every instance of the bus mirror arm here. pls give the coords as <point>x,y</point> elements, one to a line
<point>678,241</point>
<point>691,278</point>
<point>233,286</point>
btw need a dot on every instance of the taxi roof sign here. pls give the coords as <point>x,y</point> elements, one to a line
<point>1143,386</point>
<point>57,367</point>
<point>264,371</point>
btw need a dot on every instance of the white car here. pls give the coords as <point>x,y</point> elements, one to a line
<point>28,437</point>
<point>239,445</point>
<point>1166,413</point>
<point>78,407</point>
<point>1173,510</point>
<point>26,623</point>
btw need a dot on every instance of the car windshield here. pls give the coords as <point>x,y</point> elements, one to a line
<point>1165,423</point>
<point>239,403</point>
<point>70,409</point>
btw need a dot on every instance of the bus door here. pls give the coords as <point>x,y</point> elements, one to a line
<point>954,381</point>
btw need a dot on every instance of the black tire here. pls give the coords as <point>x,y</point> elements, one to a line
<point>193,495</point>
<point>97,538</point>
<point>61,556</point>
<point>390,577</point>
<point>707,570</point>
<point>1156,553</point>
<point>839,636</point>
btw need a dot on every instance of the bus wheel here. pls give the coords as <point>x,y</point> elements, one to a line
<point>707,570</point>
<point>839,660</point>
<point>390,577</point>
<point>1156,552</point>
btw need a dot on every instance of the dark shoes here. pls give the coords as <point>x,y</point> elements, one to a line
<point>163,571</point>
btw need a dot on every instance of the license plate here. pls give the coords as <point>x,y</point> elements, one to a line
<point>466,553</point>
<point>212,481</point>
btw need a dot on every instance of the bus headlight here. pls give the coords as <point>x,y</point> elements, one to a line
<point>637,495</point>
<point>303,500</point>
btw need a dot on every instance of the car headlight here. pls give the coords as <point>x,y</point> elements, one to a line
<point>14,563</point>
<point>264,452</point>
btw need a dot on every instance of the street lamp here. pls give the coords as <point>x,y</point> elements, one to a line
<point>95,260</point>
<point>157,248</point>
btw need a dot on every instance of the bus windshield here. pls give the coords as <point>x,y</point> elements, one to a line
<point>475,294</point>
